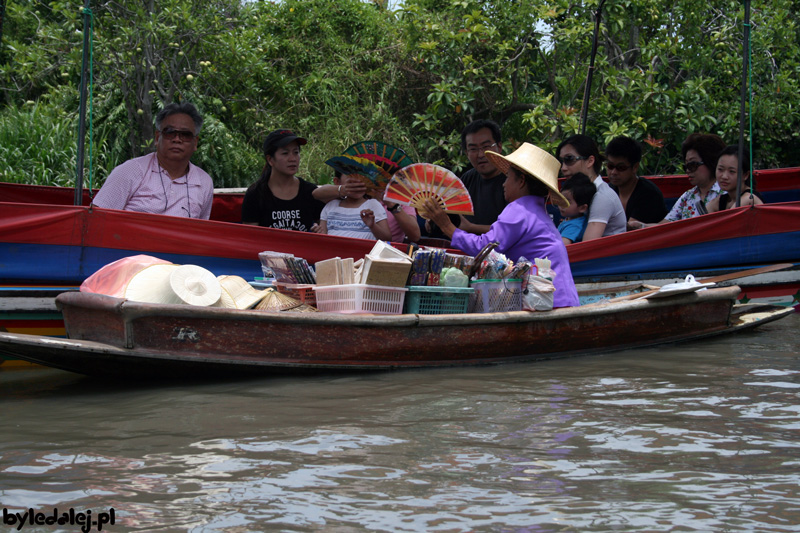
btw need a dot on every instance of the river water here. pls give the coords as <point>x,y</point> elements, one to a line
<point>703,436</point>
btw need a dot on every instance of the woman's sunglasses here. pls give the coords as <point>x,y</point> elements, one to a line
<point>691,166</point>
<point>570,160</point>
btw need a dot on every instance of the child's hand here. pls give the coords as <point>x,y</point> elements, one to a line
<point>368,217</point>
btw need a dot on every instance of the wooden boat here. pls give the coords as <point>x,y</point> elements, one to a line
<point>115,337</point>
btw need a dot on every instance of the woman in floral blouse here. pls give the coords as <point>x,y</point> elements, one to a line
<point>700,154</point>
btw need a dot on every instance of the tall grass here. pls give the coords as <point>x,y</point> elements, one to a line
<point>38,145</point>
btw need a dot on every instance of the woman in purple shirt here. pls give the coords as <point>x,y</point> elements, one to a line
<point>523,229</point>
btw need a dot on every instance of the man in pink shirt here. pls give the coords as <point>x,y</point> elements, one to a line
<point>163,182</point>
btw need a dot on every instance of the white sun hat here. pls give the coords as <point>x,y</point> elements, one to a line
<point>174,284</point>
<point>237,293</point>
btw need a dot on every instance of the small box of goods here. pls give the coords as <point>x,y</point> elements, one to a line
<point>303,292</point>
<point>360,298</point>
<point>437,300</point>
<point>386,266</point>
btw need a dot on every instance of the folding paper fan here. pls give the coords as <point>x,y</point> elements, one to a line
<point>390,158</point>
<point>416,183</point>
<point>373,176</point>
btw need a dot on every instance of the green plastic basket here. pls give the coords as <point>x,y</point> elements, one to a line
<point>437,300</point>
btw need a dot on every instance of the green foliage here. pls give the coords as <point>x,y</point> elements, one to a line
<point>41,49</point>
<point>332,76</point>
<point>226,155</point>
<point>341,71</point>
<point>37,142</point>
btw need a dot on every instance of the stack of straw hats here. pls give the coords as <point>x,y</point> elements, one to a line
<point>192,285</point>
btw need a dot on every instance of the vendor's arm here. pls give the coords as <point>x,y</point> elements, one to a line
<point>433,211</point>
<point>506,231</point>
<point>469,227</point>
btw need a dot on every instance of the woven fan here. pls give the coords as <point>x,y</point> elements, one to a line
<point>416,183</point>
<point>372,174</point>
<point>390,158</point>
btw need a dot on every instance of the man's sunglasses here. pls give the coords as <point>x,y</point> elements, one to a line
<point>691,166</point>
<point>570,160</point>
<point>171,134</point>
<point>622,167</point>
<point>483,148</point>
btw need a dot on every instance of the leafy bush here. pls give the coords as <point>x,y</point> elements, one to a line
<point>339,72</point>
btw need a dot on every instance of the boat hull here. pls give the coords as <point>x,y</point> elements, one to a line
<point>109,336</point>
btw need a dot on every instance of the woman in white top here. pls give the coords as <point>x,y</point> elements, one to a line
<point>579,154</point>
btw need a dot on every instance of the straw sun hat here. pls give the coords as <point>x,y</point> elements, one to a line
<point>237,293</point>
<point>535,162</point>
<point>174,284</point>
<point>276,302</point>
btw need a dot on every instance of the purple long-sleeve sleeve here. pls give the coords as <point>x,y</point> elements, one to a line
<point>524,229</point>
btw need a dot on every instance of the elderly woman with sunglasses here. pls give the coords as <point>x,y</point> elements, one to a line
<point>164,182</point>
<point>579,154</point>
<point>700,154</point>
